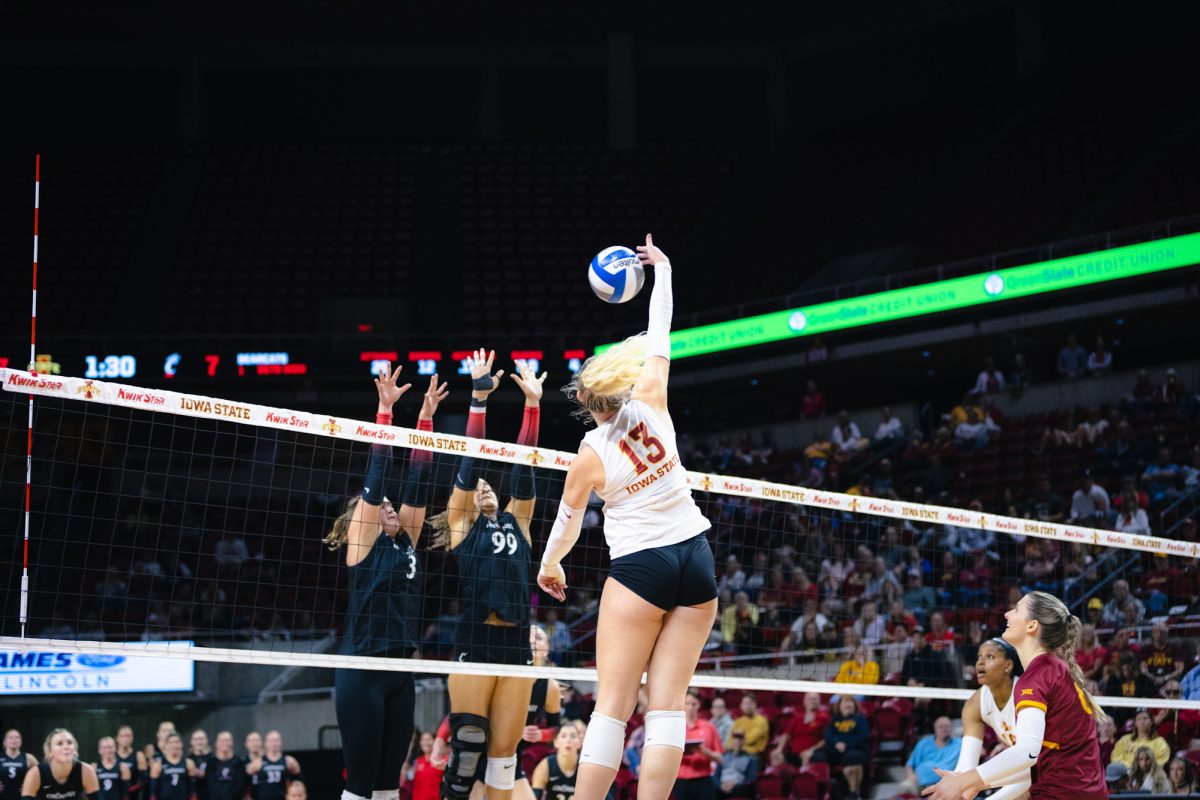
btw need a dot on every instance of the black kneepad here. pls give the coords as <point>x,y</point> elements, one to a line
<point>468,755</point>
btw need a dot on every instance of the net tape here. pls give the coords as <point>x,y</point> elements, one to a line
<point>88,391</point>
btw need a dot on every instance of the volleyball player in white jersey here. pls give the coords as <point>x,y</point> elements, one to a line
<point>659,601</point>
<point>993,705</point>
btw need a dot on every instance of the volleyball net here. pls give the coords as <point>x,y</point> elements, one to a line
<point>186,526</point>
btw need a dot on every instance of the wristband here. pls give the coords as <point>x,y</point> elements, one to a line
<point>383,419</point>
<point>483,384</point>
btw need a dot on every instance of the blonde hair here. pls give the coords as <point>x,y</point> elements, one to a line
<point>50,737</point>
<point>339,535</point>
<point>606,380</point>
<point>1158,776</point>
<point>1058,631</point>
<point>439,524</point>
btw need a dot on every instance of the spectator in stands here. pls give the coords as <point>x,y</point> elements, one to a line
<point>976,580</point>
<point>1180,776</point>
<point>1044,504</point>
<point>870,627</point>
<point>895,651</point>
<point>812,402</point>
<point>892,551</point>
<point>701,753</point>
<point>778,766</point>
<point>1089,504</point>
<point>1072,359</point>
<point>975,431</point>
<point>1177,726</point>
<point>1162,477</point>
<point>734,578</point>
<point>918,598</point>
<point>720,718</point>
<point>805,733</point>
<point>1041,569</point>
<point>1132,517</point>
<point>836,566</point>
<point>1147,774</point>
<point>1173,392</point>
<point>1116,777</point>
<point>990,380</point>
<point>574,706</point>
<point>738,770</point>
<point>962,540</point>
<point>880,575</point>
<point>945,585</point>
<point>739,625</point>
<point>891,427</point>
<point>1095,613</point>
<point>757,579</point>
<point>1114,609</point>
<point>939,751</point>
<point>1143,735</point>
<point>1190,685</point>
<point>776,595</point>
<point>859,667</point>
<point>1092,430</point>
<point>939,636</point>
<point>1100,360</point>
<point>1090,655</point>
<point>753,725</point>
<point>899,615</point>
<point>1161,661</point>
<point>1020,376</point>
<point>847,743</point>
<point>1128,681</point>
<point>846,437</point>
<point>924,666</point>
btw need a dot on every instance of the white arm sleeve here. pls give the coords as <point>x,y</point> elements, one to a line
<point>662,304</point>
<point>968,756</point>
<point>1031,730</point>
<point>563,536</point>
<point>1018,788</point>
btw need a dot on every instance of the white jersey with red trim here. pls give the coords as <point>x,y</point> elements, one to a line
<point>1001,720</point>
<point>647,500</point>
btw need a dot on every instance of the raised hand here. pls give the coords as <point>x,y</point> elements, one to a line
<point>530,382</point>
<point>433,396</point>
<point>389,392</point>
<point>650,255</point>
<point>483,382</point>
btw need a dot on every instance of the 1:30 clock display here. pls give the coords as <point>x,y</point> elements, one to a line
<point>110,366</point>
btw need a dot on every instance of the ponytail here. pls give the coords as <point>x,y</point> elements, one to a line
<point>339,534</point>
<point>1059,633</point>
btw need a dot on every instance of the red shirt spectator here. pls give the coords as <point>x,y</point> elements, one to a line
<point>427,780</point>
<point>812,402</point>
<point>696,764</point>
<point>939,637</point>
<point>807,728</point>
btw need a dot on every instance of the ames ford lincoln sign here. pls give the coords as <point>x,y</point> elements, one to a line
<point>50,672</point>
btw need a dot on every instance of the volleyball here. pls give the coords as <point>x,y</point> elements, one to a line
<point>616,275</point>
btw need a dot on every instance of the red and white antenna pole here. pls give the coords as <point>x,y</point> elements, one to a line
<point>37,194</point>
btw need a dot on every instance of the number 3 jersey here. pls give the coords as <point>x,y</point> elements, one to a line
<point>385,600</point>
<point>647,500</point>
<point>493,564</point>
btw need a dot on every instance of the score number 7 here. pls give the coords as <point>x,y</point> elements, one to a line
<point>655,452</point>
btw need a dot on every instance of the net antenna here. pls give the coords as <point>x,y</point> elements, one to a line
<point>37,197</point>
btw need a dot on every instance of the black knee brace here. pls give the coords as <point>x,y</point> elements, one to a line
<point>468,755</point>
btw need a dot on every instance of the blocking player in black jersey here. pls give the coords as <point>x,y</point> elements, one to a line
<point>134,759</point>
<point>114,775</point>
<point>275,769</point>
<point>375,708</point>
<point>173,777</point>
<point>61,776</point>
<point>545,706</point>
<point>14,763</point>
<point>492,548</point>
<point>222,772</point>
<point>554,777</point>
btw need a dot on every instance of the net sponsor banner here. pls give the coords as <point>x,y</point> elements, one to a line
<point>56,670</point>
<point>103,392</point>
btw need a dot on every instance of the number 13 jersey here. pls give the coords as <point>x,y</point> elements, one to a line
<point>647,500</point>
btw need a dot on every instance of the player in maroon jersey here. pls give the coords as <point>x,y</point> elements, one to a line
<point>1056,717</point>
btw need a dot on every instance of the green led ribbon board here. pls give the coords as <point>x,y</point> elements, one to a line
<point>932,298</point>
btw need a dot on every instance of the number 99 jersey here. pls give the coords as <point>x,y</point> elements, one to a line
<point>493,563</point>
<point>647,500</point>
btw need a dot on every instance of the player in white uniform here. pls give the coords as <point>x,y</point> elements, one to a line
<point>993,705</point>
<point>659,601</point>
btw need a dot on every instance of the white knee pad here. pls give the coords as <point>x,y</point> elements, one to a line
<point>604,742</point>
<point>385,794</point>
<point>349,795</point>
<point>665,729</point>
<point>501,772</point>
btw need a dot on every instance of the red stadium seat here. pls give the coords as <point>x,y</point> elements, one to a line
<point>769,787</point>
<point>805,786</point>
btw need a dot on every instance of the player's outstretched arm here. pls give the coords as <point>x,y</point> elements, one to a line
<point>651,386</point>
<point>414,492</point>
<point>459,511</point>
<point>524,496</point>
<point>585,474</point>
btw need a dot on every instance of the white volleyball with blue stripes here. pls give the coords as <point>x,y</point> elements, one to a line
<point>616,275</point>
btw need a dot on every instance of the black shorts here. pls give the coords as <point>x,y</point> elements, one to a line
<point>682,574</point>
<point>493,644</point>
